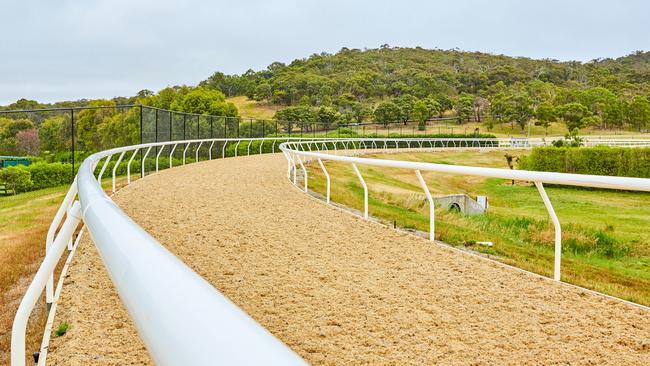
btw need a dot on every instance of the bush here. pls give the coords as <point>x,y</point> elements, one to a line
<point>16,179</point>
<point>46,175</point>
<point>601,160</point>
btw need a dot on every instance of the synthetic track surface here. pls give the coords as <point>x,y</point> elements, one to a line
<point>337,289</point>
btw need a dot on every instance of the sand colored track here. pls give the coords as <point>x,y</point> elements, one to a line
<point>337,289</point>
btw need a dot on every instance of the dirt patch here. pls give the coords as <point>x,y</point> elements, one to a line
<point>337,289</point>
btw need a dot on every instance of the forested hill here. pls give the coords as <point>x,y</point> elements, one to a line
<point>387,72</point>
<point>354,82</point>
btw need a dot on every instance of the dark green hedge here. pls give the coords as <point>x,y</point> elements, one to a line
<point>626,162</point>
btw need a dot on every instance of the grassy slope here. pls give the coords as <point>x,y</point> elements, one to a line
<point>24,220</point>
<point>253,109</point>
<point>517,221</point>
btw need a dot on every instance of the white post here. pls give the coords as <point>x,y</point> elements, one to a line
<point>145,158</point>
<point>171,155</point>
<point>327,176</point>
<point>558,230</point>
<point>365,191</point>
<point>101,172</point>
<point>210,150</point>
<point>223,149</point>
<point>304,170</point>
<point>248,148</point>
<point>237,147</point>
<point>128,166</point>
<point>187,146</point>
<point>158,156</point>
<point>261,144</point>
<point>432,224</point>
<point>117,163</point>
<point>197,151</point>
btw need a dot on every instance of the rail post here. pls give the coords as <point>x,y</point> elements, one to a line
<point>304,171</point>
<point>128,166</point>
<point>558,230</point>
<point>117,163</point>
<point>158,156</point>
<point>171,154</point>
<point>425,188</point>
<point>365,190</point>
<point>327,176</point>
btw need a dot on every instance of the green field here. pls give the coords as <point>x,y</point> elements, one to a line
<point>605,244</point>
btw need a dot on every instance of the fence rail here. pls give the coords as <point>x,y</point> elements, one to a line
<point>299,153</point>
<point>163,299</point>
<point>168,297</point>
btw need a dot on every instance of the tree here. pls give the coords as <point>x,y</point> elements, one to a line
<point>405,104</point>
<point>88,124</point>
<point>360,112</point>
<point>8,130</point>
<point>263,92</point>
<point>545,115</point>
<point>464,107</point>
<point>572,114</point>
<point>52,134</point>
<point>328,116</point>
<point>289,116</point>
<point>421,113</point>
<point>500,106</point>
<point>387,112</point>
<point>445,103</point>
<point>521,110</point>
<point>28,143</point>
<point>638,113</point>
<point>481,105</point>
<point>203,101</point>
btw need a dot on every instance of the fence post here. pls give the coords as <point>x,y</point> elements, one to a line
<point>365,190</point>
<point>327,176</point>
<point>431,205</point>
<point>558,230</point>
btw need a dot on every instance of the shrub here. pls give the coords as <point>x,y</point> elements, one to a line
<point>50,175</point>
<point>16,178</point>
<point>601,160</point>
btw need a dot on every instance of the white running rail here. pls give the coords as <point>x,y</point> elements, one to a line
<point>180,317</point>
<point>299,153</point>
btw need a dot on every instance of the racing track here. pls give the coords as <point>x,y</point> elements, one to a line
<point>335,288</point>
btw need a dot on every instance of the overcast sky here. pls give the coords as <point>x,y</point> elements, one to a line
<point>54,50</point>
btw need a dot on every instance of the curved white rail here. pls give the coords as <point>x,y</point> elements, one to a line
<point>181,318</point>
<point>299,153</point>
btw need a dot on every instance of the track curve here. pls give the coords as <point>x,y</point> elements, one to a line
<point>337,289</point>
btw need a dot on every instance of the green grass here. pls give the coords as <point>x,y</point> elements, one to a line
<point>605,245</point>
<point>62,329</point>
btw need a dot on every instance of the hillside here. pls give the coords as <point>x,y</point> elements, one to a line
<point>604,93</point>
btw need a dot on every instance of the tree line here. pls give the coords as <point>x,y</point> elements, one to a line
<point>392,84</point>
<point>50,133</point>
